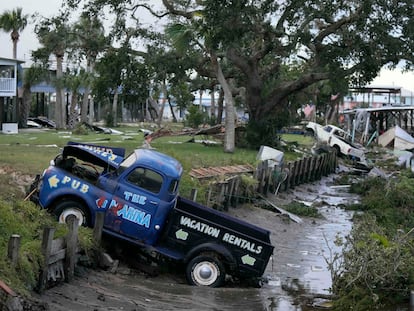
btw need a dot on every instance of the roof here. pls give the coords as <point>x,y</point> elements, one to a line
<point>384,109</point>
<point>377,89</point>
<point>159,161</point>
<point>11,60</point>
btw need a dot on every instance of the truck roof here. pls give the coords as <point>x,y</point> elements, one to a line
<point>159,161</point>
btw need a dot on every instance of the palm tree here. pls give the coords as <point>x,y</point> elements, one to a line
<point>90,40</point>
<point>32,75</point>
<point>54,34</point>
<point>14,21</point>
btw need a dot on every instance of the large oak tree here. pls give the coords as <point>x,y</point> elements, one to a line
<point>345,39</point>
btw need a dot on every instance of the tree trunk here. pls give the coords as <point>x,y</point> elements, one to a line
<point>172,110</point>
<point>72,111</point>
<point>163,101</point>
<point>213,105</point>
<point>26,103</point>
<point>60,106</point>
<point>115,107</point>
<point>220,104</point>
<point>15,47</point>
<point>87,104</point>
<point>229,134</point>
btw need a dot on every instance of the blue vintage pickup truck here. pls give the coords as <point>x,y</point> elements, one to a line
<point>139,196</point>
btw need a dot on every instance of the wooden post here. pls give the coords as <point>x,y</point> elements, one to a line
<point>307,168</point>
<point>295,172</point>
<point>71,246</point>
<point>230,188</point>
<point>13,249</point>
<point>289,177</point>
<point>97,228</point>
<point>47,240</point>
<point>236,192</point>
<point>209,196</point>
<point>193,195</point>
<point>301,172</point>
<point>325,165</point>
<point>311,168</point>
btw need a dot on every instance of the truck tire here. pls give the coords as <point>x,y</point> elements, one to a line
<point>205,270</point>
<point>64,209</point>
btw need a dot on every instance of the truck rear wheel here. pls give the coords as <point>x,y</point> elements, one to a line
<point>64,209</point>
<point>205,270</point>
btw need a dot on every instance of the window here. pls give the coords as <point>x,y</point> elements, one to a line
<point>146,179</point>
<point>173,187</point>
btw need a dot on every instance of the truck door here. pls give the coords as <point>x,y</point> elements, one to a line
<point>133,207</point>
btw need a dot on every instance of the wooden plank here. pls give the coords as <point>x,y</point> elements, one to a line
<point>57,245</point>
<point>72,242</point>
<point>206,172</point>
<point>13,249</point>
<point>46,247</point>
<point>56,256</point>
<point>294,217</point>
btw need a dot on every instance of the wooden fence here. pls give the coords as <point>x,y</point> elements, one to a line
<point>60,254</point>
<point>272,179</point>
<point>305,170</point>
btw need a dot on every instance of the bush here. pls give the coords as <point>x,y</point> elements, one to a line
<point>375,268</point>
<point>195,117</point>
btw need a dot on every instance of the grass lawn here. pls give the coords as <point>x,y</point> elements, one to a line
<point>29,152</point>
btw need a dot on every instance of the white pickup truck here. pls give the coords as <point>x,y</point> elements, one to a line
<point>337,138</point>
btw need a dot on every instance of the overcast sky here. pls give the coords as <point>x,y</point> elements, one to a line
<point>47,8</point>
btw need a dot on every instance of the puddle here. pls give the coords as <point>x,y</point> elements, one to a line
<point>303,269</point>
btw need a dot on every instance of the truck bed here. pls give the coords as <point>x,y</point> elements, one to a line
<point>192,224</point>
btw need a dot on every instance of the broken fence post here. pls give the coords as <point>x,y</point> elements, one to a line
<point>47,240</point>
<point>193,195</point>
<point>97,228</point>
<point>13,249</point>
<point>71,247</point>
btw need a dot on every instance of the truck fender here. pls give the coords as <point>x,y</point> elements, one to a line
<point>71,197</point>
<point>213,247</point>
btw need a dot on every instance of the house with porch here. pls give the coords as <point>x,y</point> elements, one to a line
<point>10,80</point>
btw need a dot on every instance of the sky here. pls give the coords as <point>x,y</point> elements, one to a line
<point>48,8</point>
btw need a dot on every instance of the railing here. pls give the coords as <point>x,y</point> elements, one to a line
<point>7,87</point>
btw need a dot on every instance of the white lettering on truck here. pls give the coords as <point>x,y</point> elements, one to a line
<point>199,226</point>
<point>242,243</point>
<point>132,214</point>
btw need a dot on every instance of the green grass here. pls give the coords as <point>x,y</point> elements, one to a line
<point>306,141</point>
<point>29,152</point>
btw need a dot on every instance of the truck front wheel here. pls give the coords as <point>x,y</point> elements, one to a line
<point>64,209</point>
<point>205,270</point>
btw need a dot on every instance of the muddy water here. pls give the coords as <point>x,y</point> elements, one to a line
<point>298,268</point>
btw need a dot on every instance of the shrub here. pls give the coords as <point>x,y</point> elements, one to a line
<point>375,268</point>
<point>195,117</point>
